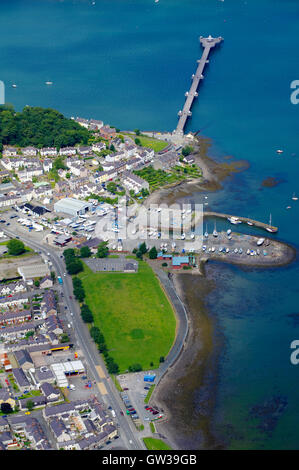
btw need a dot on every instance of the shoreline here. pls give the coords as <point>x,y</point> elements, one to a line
<point>189,378</point>
<point>214,174</point>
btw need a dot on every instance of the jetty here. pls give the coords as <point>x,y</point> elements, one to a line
<point>255,223</point>
<point>207,43</point>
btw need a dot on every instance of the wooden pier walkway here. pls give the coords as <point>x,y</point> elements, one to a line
<point>208,43</point>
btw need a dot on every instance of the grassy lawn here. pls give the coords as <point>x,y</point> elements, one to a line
<point>155,144</point>
<point>147,398</point>
<point>133,313</point>
<point>155,444</point>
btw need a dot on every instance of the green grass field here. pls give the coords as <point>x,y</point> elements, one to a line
<point>133,313</point>
<point>155,144</point>
<point>155,444</point>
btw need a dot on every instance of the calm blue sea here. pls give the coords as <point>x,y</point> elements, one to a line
<point>129,63</point>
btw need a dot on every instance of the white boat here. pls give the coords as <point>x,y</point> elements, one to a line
<point>227,250</point>
<point>249,223</point>
<point>236,250</point>
<point>240,250</point>
<point>14,85</point>
<point>248,252</point>
<point>270,229</point>
<point>260,241</point>
<point>279,151</point>
<point>192,236</point>
<point>294,197</point>
<point>49,83</point>
<point>234,220</point>
<point>213,249</point>
<point>229,231</point>
<point>215,233</point>
<point>229,237</point>
<point>206,234</point>
<point>183,236</point>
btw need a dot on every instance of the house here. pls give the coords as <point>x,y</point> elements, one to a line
<point>12,288</point>
<point>166,161</point>
<point>39,400</point>
<point>48,303</point>
<point>4,425</point>
<point>46,282</point>
<point>54,325</point>
<point>50,392</point>
<point>59,430</point>
<point>48,152</point>
<point>188,159</point>
<point>82,122</point>
<point>7,440</point>
<point>67,151</point>
<point>23,359</point>
<point>47,165</point>
<point>96,124</point>
<point>6,398</point>
<point>21,379</point>
<point>163,256</point>
<point>29,151</point>
<point>44,374</point>
<point>107,132</point>
<point>98,146</point>
<point>14,301</point>
<point>16,331</point>
<point>180,261</point>
<point>84,150</point>
<point>134,182</point>
<point>10,152</point>
<point>15,318</point>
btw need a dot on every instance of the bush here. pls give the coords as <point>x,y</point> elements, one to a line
<point>15,247</point>
<point>135,368</point>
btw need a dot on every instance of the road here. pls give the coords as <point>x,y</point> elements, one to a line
<point>127,429</point>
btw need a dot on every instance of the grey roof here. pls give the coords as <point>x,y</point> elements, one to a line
<point>111,264</point>
<point>20,377</point>
<point>23,356</point>
<point>48,389</point>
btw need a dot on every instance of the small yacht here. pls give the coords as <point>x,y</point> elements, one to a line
<point>220,249</point>
<point>248,252</point>
<point>14,85</point>
<point>213,249</point>
<point>294,197</point>
<point>215,233</point>
<point>279,151</point>
<point>270,229</point>
<point>183,236</point>
<point>192,236</point>
<point>249,223</point>
<point>229,231</point>
<point>206,234</point>
<point>236,250</point>
<point>234,220</point>
<point>49,83</point>
<point>260,241</point>
<point>229,237</point>
<point>240,250</point>
<point>227,250</point>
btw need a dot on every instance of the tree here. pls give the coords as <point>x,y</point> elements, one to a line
<point>137,141</point>
<point>86,314</point>
<point>74,267</point>
<point>15,247</point>
<point>161,359</point>
<point>153,253</point>
<point>137,131</point>
<point>6,408</point>
<point>187,150</point>
<point>85,252</point>
<point>103,250</point>
<point>29,405</point>
<point>143,248</point>
<point>139,254</point>
<point>36,283</point>
<point>135,367</point>
<point>64,338</point>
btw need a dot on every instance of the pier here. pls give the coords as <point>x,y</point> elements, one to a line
<point>246,220</point>
<point>207,43</point>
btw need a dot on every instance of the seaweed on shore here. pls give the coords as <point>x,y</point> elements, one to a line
<point>269,412</point>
